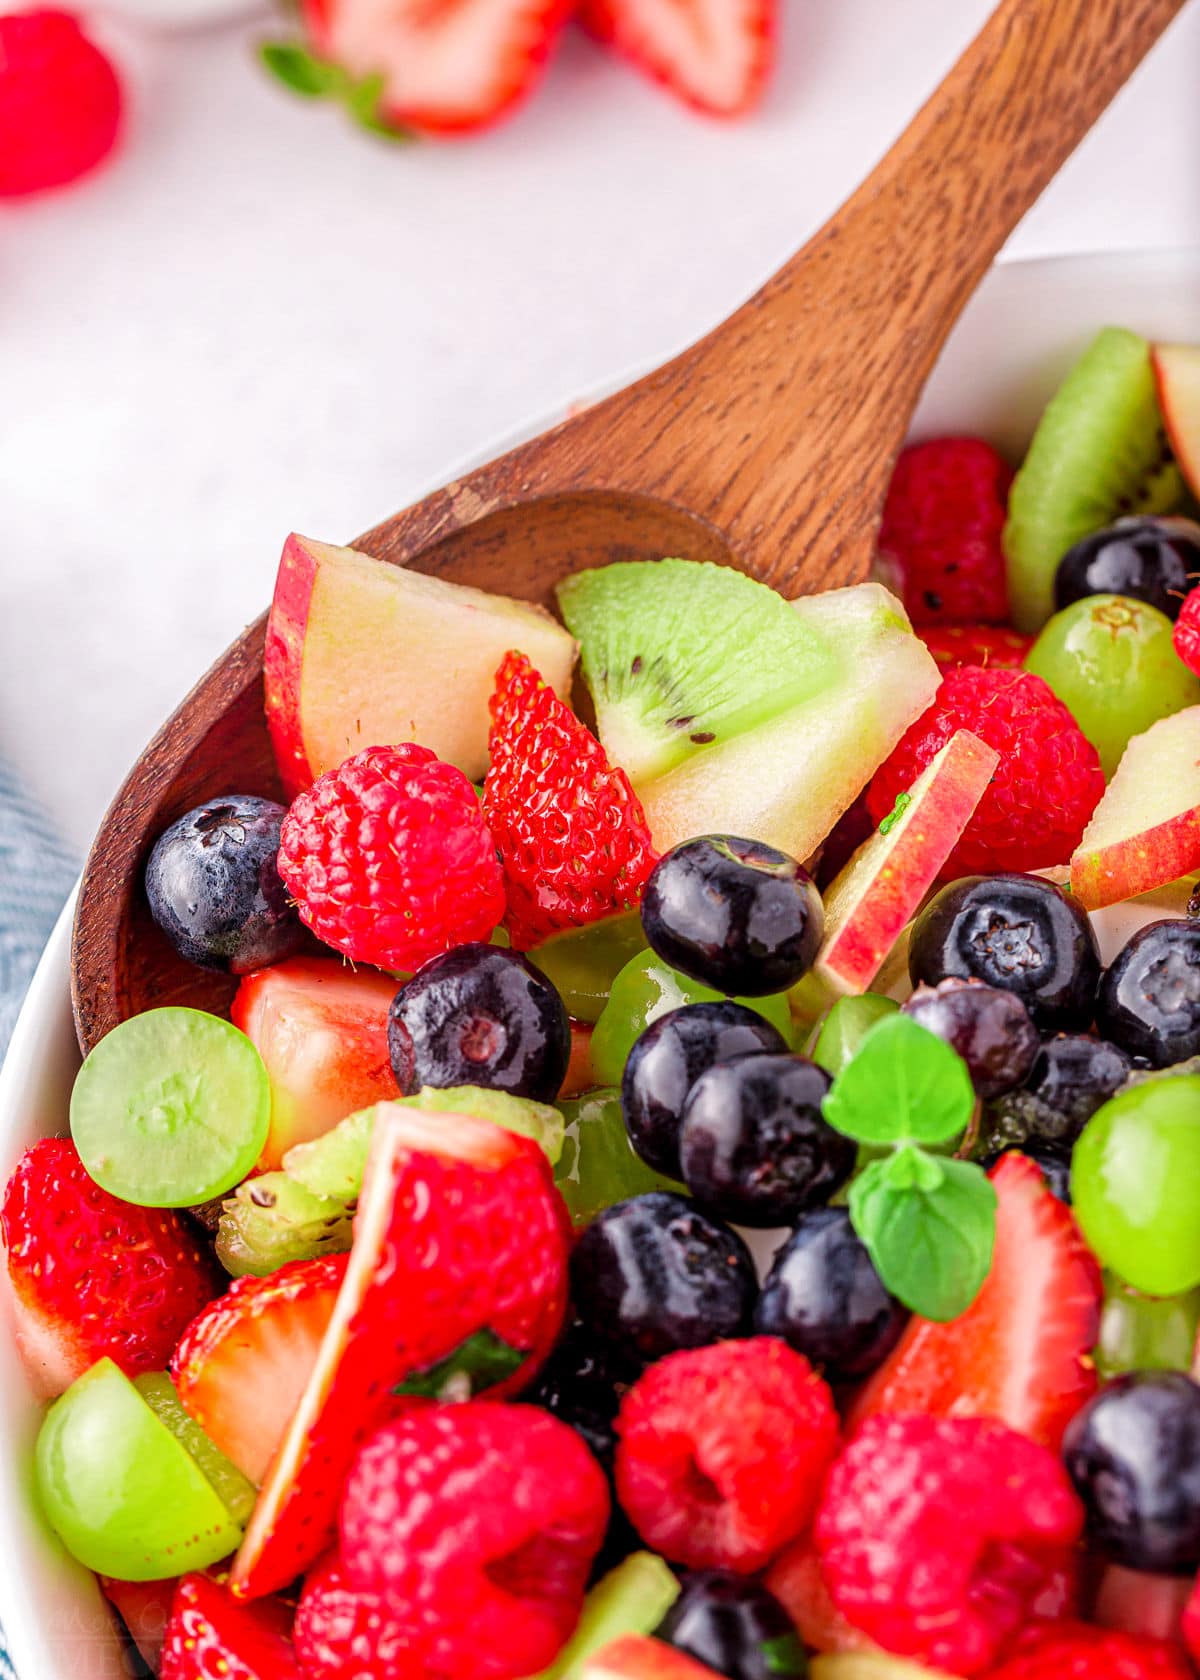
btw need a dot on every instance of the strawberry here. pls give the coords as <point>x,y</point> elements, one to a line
<point>261,1338</point>
<point>446,69</point>
<point>321,1030</point>
<point>145,1608</point>
<point>996,645</point>
<point>940,535</point>
<point>459,1230</point>
<point>1021,1352</point>
<point>210,1633</point>
<point>715,54</point>
<point>570,831</point>
<point>60,102</point>
<point>1133,1602</point>
<point>93,1276</point>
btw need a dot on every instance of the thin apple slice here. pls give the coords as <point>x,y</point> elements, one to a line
<point>878,892</point>
<point>635,1657</point>
<point>459,1230</point>
<point>363,654</point>
<point>1146,829</point>
<point>1177,376</point>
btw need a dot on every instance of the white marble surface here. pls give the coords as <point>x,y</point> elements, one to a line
<point>259,320</point>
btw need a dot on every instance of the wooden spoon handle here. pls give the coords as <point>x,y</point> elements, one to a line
<point>780,427</point>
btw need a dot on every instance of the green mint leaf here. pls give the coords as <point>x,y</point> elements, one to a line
<point>929,1225</point>
<point>480,1362</point>
<point>364,101</point>
<point>903,801</point>
<point>903,1085</point>
<point>785,1656</point>
<point>301,70</point>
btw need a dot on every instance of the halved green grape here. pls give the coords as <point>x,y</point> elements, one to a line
<point>582,963</point>
<point>632,1598</point>
<point>171,1108</point>
<point>236,1492</point>
<point>597,1166</point>
<point>1146,1332</point>
<point>845,1027</point>
<point>1135,1185</point>
<point>1111,661</point>
<point>122,1493</point>
<point>647,988</point>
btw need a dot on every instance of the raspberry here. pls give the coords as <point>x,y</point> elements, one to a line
<point>60,102</point>
<point>1186,634</point>
<point>1046,785</point>
<point>997,647</point>
<point>569,828</point>
<point>937,1535</point>
<point>722,1451</point>
<point>941,531</point>
<point>475,1525</point>
<point>1071,1651</point>
<point>1191,1624</point>
<point>390,860</point>
<point>93,1276</point>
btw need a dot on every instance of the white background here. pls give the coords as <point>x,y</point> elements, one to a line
<point>258,319</point>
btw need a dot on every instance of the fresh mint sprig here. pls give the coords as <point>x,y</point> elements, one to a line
<point>927,1221</point>
<point>479,1363</point>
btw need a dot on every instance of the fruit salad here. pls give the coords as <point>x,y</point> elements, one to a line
<point>701,1175</point>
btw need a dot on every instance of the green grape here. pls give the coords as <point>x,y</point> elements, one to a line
<point>597,1166</point>
<point>1146,1332</point>
<point>647,988</point>
<point>1111,661</point>
<point>120,1490</point>
<point>171,1108</point>
<point>582,963</point>
<point>1135,1184</point>
<point>236,1492</point>
<point>845,1027</point>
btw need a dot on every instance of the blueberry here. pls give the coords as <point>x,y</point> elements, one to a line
<point>1133,1453</point>
<point>990,1029</point>
<point>1075,1074</point>
<point>215,890</point>
<point>480,1015</point>
<point>653,1274</point>
<point>825,1298</point>
<point>666,1062</point>
<point>1149,1000</point>
<point>1153,559</point>
<point>1017,932</point>
<point>577,1384</point>
<point>735,1627</point>
<point>733,914</point>
<point>1055,1168</point>
<point>753,1145</point>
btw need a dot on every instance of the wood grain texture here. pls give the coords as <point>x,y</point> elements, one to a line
<point>768,445</point>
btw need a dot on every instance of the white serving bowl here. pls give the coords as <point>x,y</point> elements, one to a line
<point>1024,327</point>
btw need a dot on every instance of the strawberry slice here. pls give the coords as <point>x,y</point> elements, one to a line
<point>447,68</point>
<point>459,1231</point>
<point>1021,1352</point>
<point>715,54</point>
<point>261,1338</point>
<point>321,1030</point>
<point>210,1633</point>
<point>93,1276</point>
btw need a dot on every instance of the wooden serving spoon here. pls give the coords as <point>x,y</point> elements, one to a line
<point>768,445</point>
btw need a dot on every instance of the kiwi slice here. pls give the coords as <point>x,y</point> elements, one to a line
<point>679,654</point>
<point>235,1491</point>
<point>1099,452</point>
<point>272,1219</point>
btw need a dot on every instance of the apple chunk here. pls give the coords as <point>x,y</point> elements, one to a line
<point>878,892</point>
<point>1146,829</point>
<point>1177,376</point>
<point>363,654</point>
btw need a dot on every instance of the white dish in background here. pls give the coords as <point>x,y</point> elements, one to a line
<point>1020,332</point>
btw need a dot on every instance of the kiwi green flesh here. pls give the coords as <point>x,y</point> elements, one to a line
<point>679,654</point>
<point>272,1219</point>
<point>235,1491</point>
<point>633,1598</point>
<point>1099,452</point>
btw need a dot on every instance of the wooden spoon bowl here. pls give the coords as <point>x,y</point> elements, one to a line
<point>768,445</point>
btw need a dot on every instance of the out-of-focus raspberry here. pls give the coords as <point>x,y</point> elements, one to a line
<point>939,539</point>
<point>389,858</point>
<point>60,102</point>
<point>936,1536</point>
<point>1044,790</point>
<point>722,1451</point>
<point>1073,1651</point>
<point>1186,634</point>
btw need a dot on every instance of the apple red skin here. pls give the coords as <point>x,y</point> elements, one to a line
<point>283,663</point>
<point>1177,381</point>
<point>635,1658</point>
<point>1144,861</point>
